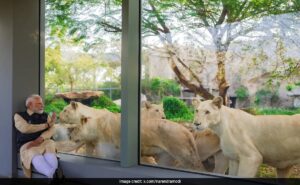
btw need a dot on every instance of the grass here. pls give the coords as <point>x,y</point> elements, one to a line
<point>266,171</point>
<point>273,111</point>
<point>277,111</point>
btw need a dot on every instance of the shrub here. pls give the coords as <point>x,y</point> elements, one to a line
<point>115,93</point>
<point>54,105</point>
<point>176,110</point>
<point>105,102</point>
<point>157,88</point>
<point>297,83</point>
<point>262,95</point>
<point>242,93</point>
<point>290,87</point>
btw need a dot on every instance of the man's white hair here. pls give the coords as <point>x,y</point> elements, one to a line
<point>31,98</point>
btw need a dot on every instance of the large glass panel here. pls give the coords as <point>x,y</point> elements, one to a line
<point>82,75</point>
<point>242,54</point>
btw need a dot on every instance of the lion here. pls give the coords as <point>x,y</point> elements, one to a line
<point>88,129</point>
<point>208,145</point>
<point>169,141</point>
<point>249,140</point>
<point>158,135</point>
<point>83,123</point>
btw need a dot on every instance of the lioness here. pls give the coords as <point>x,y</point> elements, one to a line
<point>163,138</point>
<point>208,144</point>
<point>99,127</point>
<point>96,125</point>
<point>158,135</point>
<point>249,140</point>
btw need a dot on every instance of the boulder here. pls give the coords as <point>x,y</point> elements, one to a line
<point>85,97</point>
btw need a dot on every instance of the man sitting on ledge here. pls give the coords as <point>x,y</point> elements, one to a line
<point>34,132</point>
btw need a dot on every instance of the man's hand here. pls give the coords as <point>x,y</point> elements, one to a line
<point>35,142</point>
<point>53,120</point>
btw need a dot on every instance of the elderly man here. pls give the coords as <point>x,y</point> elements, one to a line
<point>34,132</point>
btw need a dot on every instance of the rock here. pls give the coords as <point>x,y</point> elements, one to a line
<point>85,97</point>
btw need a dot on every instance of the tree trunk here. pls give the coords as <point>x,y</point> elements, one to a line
<point>71,86</point>
<point>198,89</point>
<point>221,76</point>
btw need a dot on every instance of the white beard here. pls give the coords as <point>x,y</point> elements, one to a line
<point>40,111</point>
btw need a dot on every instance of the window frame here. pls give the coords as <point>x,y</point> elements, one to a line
<point>129,165</point>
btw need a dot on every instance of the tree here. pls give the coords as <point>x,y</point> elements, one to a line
<point>54,70</point>
<point>224,20</point>
<point>69,73</point>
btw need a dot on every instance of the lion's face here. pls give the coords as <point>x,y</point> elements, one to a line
<point>152,111</point>
<point>207,113</point>
<point>71,113</point>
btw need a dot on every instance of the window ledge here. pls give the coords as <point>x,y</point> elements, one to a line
<point>85,167</point>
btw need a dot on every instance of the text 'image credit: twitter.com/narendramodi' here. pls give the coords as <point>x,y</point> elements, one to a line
<point>150,181</point>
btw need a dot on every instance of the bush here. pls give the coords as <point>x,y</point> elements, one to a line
<point>264,94</point>
<point>115,93</point>
<point>242,93</point>
<point>176,110</point>
<point>157,88</point>
<point>290,87</point>
<point>49,98</point>
<point>54,105</point>
<point>297,83</point>
<point>105,102</point>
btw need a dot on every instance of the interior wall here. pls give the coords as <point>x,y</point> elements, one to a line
<point>6,78</point>
<point>19,70</point>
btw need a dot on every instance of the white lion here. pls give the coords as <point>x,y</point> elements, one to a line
<point>157,134</point>
<point>249,140</point>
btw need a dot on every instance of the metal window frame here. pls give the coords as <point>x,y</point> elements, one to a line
<point>23,61</point>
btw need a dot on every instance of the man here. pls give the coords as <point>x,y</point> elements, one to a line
<point>34,132</point>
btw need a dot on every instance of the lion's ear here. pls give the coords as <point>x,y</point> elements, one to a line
<point>74,105</point>
<point>218,101</point>
<point>196,102</point>
<point>146,104</point>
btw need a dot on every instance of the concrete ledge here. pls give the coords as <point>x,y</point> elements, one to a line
<point>85,167</point>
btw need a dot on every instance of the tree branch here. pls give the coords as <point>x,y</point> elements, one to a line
<point>200,90</point>
<point>222,16</point>
<point>173,53</point>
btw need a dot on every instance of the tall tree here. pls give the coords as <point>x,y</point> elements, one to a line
<point>221,18</point>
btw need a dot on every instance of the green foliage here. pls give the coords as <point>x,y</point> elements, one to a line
<point>297,83</point>
<point>105,102</point>
<point>242,93</point>
<point>290,87</point>
<point>78,73</point>
<point>54,104</point>
<point>277,111</point>
<point>265,94</point>
<point>266,171</point>
<point>157,88</point>
<point>66,26</point>
<point>115,93</point>
<point>176,110</point>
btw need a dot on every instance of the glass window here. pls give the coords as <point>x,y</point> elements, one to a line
<point>82,75</point>
<point>246,53</point>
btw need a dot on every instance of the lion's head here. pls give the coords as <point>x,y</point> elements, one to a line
<point>72,113</point>
<point>150,111</point>
<point>207,113</point>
